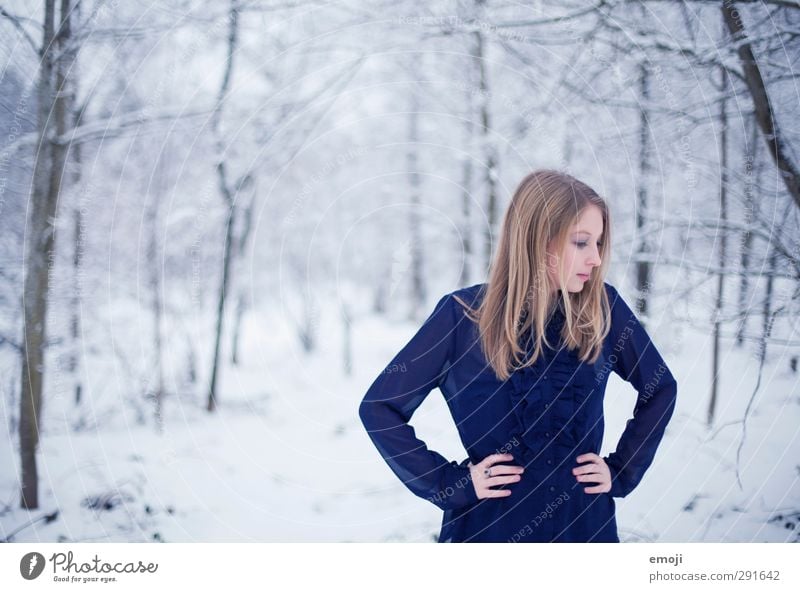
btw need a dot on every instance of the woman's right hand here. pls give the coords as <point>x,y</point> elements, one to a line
<point>497,475</point>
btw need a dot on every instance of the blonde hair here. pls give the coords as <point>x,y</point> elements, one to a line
<point>544,207</point>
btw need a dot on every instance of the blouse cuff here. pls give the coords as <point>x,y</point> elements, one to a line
<point>457,490</point>
<point>617,487</point>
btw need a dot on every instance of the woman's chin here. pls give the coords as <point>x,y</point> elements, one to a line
<point>575,285</point>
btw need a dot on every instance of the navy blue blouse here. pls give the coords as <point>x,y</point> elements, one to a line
<point>545,415</point>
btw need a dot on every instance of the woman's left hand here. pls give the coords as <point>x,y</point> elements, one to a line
<point>596,471</point>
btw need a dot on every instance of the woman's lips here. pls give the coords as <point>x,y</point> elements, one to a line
<point>583,276</point>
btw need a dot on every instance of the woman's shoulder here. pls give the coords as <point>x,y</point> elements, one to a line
<point>622,314</point>
<point>470,292</point>
<point>470,295</point>
<point>615,300</point>
<point>610,289</point>
<point>450,303</point>
<point>616,304</point>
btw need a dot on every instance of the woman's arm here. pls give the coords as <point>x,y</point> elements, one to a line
<point>637,361</point>
<point>394,396</point>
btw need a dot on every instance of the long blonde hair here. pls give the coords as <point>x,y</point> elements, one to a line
<point>545,205</point>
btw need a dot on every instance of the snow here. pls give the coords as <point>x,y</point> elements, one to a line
<point>285,457</point>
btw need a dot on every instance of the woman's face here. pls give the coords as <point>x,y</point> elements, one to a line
<point>580,253</point>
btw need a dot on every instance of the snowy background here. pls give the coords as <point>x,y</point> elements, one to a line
<point>362,155</point>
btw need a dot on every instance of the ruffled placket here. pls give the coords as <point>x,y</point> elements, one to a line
<point>546,400</point>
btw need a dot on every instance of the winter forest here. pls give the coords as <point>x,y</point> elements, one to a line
<point>220,219</point>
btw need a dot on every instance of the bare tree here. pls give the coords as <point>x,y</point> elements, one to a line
<point>723,251</point>
<point>751,172</point>
<point>488,150</point>
<point>765,114</point>
<point>241,244</point>
<point>643,266</point>
<point>415,217</point>
<point>46,186</point>
<point>74,362</point>
<point>153,222</point>
<point>228,193</point>
<point>468,131</point>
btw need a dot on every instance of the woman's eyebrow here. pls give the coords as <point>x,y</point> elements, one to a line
<point>584,232</point>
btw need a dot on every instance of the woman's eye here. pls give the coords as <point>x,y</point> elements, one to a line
<point>581,245</point>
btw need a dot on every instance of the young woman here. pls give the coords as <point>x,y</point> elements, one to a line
<point>523,362</point>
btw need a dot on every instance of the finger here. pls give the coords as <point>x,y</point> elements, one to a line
<point>492,481</point>
<point>589,456</point>
<point>596,489</point>
<point>591,478</point>
<point>497,492</point>
<point>589,468</point>
<point>507,470</point>
<point>496,458</point>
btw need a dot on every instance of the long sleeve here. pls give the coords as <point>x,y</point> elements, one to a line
<point>635,358</point>
<point>394,396</point>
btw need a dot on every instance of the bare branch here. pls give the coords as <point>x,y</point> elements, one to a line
<point>765,235</point>
<point>660,259</point>
<point>15,20</point>
<point>779,3</point>
<point>109,128</point>
<point>12,344</point>
<point>48,518</point>
<point>557,19</point>
<point>765,115</point>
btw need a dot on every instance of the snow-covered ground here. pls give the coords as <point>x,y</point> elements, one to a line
<point>285,458</point>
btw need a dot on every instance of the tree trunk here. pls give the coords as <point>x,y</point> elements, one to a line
<point>40,241</point>
<point>191,361</point>
<point>75,358</point>
<point>487,147</point>
<point>765,115</point>
<point>228,198</point>
<point>466,197</point>
<point>223,287</point>
<point>418,291</point>
<point>159,185</point>
<point>308,323</point>
<point>73,365</point>
<point>157,390</point>
<point>642,264</point>
<point>241,301</point>
<point>768,290</point>
<point>237,328</point>
<point>747,240</point>
<point>379,296</point>
<point>723,252</point>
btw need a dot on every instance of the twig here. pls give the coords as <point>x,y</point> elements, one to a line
<point>48,518</point>
<point>761,359</point>
<point>15,20</point>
